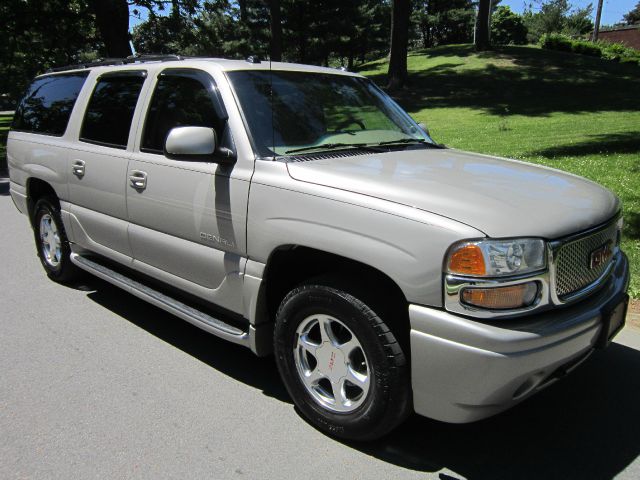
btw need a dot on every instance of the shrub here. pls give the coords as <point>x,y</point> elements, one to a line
<point>507,28</point>
<point>586,48</point>
<point>606,50</point>
<point>556,41</point>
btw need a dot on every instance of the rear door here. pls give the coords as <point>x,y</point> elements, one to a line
<point>187,218</point>
<point>98,164</point>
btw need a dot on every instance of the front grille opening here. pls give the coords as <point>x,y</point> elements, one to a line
<point>574,269</point>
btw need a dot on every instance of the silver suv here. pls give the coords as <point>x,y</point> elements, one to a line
<point>300,211</point>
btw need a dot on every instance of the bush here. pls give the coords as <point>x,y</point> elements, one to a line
<point>507,28</point>
<point>606,50</point>
<point>586,48</point>
<point>556,41</point>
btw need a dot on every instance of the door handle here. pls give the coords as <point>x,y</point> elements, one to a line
<point>138,179</point>
<point>78,168</point>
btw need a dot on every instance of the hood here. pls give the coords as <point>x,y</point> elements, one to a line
<point>502,198</point>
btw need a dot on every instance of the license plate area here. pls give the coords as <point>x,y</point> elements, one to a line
<point>613,320</point>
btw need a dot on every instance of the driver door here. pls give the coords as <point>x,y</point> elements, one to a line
<point>187,218</point>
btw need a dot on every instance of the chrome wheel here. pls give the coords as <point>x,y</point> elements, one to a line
<point>331,363</point>
<point>50,243</point>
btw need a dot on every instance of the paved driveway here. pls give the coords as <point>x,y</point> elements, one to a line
<point>96,384</point>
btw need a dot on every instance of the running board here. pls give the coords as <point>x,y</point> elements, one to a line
<point>196,317</point>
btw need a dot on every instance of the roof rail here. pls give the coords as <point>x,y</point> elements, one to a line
<point>118,61</point>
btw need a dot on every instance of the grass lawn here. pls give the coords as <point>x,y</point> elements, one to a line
<point>5,122</point>
<point>568,111</point>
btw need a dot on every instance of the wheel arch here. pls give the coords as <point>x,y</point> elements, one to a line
<point>290,265</point>
<point>37,189</point>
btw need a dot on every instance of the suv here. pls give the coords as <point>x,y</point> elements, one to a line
<point>299,211</point>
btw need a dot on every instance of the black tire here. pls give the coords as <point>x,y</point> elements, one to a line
<point>61,270</point>
<point>388,401</point>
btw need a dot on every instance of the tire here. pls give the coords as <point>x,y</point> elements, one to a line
<point>351,390</point>
<point>51,241</point>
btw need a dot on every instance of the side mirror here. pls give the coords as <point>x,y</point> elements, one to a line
<point>196,143</point>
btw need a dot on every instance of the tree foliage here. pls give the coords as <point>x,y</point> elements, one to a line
<point>558,16</point>
<point>442,22</point>
<point>633,16</point>
<point>41,34</point>
<point>507,27</point>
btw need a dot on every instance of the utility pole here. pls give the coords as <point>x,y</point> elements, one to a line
<point>596,27</point>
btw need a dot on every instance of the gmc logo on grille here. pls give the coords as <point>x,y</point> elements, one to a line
<point>600,255</point>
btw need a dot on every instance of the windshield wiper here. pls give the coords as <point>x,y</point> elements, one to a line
<point>333,146</point>
<point>408,141</point>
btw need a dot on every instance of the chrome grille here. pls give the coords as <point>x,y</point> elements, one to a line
<point>573,272</point>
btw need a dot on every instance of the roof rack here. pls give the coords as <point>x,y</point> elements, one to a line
<point>118,61</point>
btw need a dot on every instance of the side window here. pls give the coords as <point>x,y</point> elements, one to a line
<point>107,120</point>
<point>180,99</point>
<point>47,105</point>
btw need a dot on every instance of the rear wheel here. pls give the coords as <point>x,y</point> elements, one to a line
<point>51,241</point>
<point>341,364</point>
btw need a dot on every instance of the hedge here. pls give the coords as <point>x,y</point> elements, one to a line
<point>607,50</point>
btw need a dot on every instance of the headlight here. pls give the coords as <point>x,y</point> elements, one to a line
<point>497,258</point>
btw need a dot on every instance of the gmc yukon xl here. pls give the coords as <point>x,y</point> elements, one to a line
<point>299,211</point>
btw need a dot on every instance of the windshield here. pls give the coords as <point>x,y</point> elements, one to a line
<point>312,112</point>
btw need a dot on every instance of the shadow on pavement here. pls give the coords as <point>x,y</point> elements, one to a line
<point>232,360</point>
<point>586,426</point>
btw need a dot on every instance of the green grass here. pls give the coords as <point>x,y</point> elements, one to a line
<point>5,123</point>
<point>572,112</point>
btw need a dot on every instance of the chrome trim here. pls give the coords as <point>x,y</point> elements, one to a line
<point>454,284</point>
<point>547,295</point>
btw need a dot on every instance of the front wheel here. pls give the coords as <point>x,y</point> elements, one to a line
<point>51,241</point>
<point>341,364</point>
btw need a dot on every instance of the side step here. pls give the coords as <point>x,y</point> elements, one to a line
<point>196,317</point>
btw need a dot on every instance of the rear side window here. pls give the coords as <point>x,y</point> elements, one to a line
<point>107,120</point>
<point>180,99</point>
<point>47,105</point>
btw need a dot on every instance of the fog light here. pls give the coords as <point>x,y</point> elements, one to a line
<point>501,298</point>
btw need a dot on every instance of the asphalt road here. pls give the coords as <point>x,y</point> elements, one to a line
<point>96,384</point>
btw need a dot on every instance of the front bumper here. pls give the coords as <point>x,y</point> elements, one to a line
<point>464,370</point>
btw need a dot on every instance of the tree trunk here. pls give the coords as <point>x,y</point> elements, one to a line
<point>483,29</point>
<point>276,30</point>
<point>397,75</point>
<point>596,26</point>
<point>112,19</point>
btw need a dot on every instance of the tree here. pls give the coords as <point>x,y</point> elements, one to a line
<point>633,16</point>
<point>397,74</point>
<point>482,39</point>
<point>507,27</point>
<point>597,24</point>
<point>276,30</point>
<point>441,22</point>
<point>40,35</point>
<point>112,19</point>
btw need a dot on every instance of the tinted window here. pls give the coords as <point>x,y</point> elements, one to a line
<point>110,110</point>
<point>47,105</point>
<point>179,100</point>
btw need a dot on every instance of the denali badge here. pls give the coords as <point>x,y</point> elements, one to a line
<point>208,237</point>
<point>600,255</point>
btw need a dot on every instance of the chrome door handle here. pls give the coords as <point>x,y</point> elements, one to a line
<point>78,168</point>
<point>138,179</point>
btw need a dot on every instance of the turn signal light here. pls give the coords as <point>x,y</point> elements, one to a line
<point>467,260</point>
<point>501,298</point>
